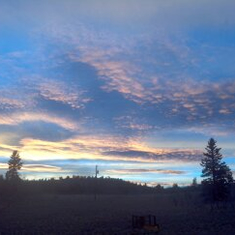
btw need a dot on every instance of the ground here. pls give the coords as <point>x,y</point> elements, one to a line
<point>82,214</point>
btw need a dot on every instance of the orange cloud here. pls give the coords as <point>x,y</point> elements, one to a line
<point>103,148</point>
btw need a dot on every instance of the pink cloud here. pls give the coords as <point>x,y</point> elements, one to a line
<point>59,91</point>
<point>21,117</point>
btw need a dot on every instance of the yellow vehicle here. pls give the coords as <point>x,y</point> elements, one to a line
<point>146,223</point>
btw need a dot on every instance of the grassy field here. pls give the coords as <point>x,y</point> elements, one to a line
<point>81,214</point>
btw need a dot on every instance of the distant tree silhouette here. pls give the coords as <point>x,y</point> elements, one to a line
<point>159,188</point>
<point>175,186</point>
<point>1,178</point>
<point>218,176</point>
<point>14,165</point>
<point>194,183</point>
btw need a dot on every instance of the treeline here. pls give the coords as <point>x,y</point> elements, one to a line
<point>79,185</point>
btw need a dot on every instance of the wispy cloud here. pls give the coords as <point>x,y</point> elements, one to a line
<point>160,154</point>
<point>34,168</point>
<point>140,171</point>
<point>21,117</point>
<point>40,168</point>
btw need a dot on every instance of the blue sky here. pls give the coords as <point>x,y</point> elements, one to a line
<point>137,87</point>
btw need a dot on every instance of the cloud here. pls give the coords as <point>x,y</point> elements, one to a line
<point>14,98</point>
<point>18,118</point>
<point>144,81</point>
<point>60,92</point>
<point>10,104</point>
<point>133,122</point>
<point>40,168</point>
<point>211,130</point>
<point>3,166</point>
<point>119,76</point>
<point>108,148</point>
<point>160,154</point>
<point>34,168</point>
<point>122,12</point>
<point>141,171</point>
<point>188,100</point>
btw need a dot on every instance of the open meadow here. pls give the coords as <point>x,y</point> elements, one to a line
<point>111,214</point>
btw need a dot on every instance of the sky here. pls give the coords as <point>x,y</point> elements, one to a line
<point>136,87</point>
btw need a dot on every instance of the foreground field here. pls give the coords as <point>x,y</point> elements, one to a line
<point>48,214</point>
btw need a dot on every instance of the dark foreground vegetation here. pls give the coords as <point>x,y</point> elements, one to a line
<point>55,207</point>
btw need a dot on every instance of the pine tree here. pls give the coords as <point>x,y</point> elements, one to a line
<point>218,176</point>
<point>14,164</point>
<point>194,182</point>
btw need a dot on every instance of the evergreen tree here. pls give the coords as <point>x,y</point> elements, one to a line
<point>14,164</point>
<point>218,176</point>
<point>194,183</point>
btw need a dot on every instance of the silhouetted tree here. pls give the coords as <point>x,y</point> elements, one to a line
<point>14,164</point>
<point>218,176</point>
<point>194,183</point>
<point>159,188</point>
<point>1,178</point>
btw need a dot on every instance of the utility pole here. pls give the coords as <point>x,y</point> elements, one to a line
<point>96,171</point>
<point>96,176</point>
